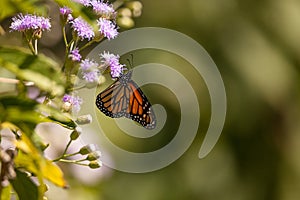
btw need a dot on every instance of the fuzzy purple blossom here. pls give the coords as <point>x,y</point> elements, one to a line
<point>75,101</point>
<point>91,76</point>
<point>103,8</point>
<point>86,64</point>
<point>89,70</point>
<point>111,60</point>
<point>75,55</point>
<point>82,29</point>
<point>116,70</point>
<point>30,22</point>
<point>83,2</point>
<point>65,11</point>
<point>107,58</point>
<point>107,28</point>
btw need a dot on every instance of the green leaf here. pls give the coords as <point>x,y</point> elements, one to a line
<point>53,173</point>
<point>30,158</point>
<point>15,101</point>
<point>6,193</point>
<point>11,7</point>
<point>41,70</point>
<point>63,119</point>
<point>21,112</point>
<point>24,187</point>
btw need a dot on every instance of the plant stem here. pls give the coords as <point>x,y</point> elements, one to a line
<point>64,153</point>
<point>65,37</point>
<point>30,46</point>
<point>74,162</point>
<point>35,47</point>
<point>72,154</point>
<point>86,45</point>
<point>9,80</point>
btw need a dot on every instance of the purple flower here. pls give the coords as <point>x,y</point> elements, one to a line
<point>116,70</point>
<point>107,28</point>
<point>111,60</point>
<point>75,55</point>
<point>75,101</point>
<point>82,29</point>
<point>83,2</point>
<point>66,14</point>
<point>65,11</point>
<point>89,70</point>
<point>108,58</point>
<point>102,8</point>
<point>91,76</point>
<point>86,64</point>
<point>30,22</point>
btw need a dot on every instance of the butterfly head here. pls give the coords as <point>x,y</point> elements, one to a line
<point>125,78</point>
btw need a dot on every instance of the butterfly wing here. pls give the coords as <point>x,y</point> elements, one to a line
<point>125,98</point>
<point>112,101</point>
<point>139,108</point>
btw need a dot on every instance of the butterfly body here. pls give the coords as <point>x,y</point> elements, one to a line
<point>124,98</point>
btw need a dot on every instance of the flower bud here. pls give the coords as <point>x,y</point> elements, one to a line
<point>125,22</point>
<point>75,134</point>
<point>66,106</point>
<point>124,12</point>
<point>87,149</point>
<point>136,8</point>
<point>38,34</point>
<point>84,119</point>
<point>95,164</point>
<point>94,155</point>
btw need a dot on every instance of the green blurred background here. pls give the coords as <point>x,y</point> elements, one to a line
<point>256,46</point>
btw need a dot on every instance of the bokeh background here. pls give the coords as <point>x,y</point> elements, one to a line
<point>256,46</point>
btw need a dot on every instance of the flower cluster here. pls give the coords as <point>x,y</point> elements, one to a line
<point>83,2</point>
<point>92,155</point>
<point>107,28</point>
<point>103,9</point>
<point>106,22</point>
<point>82,24</point>
<point>112,61</point>
<point>72,102</point>
<point>89,70</point>
<point>65,11</point>
<point>82,29</point>
<point>30,22</point>
<point>75,55</point>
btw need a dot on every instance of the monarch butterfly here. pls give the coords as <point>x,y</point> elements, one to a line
<point>124,98</point>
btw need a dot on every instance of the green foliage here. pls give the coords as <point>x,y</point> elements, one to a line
<point>30,158</point>
<point>21,115</point>
<point>10,7</point>
<point>6,193</point>
<point>24,186</point>
<point>24,171</point>
<point>41,70</point>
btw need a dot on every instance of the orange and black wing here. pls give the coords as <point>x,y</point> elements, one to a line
<point>125,99</point>
<point>112,101</point>
<point>139,108</point>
